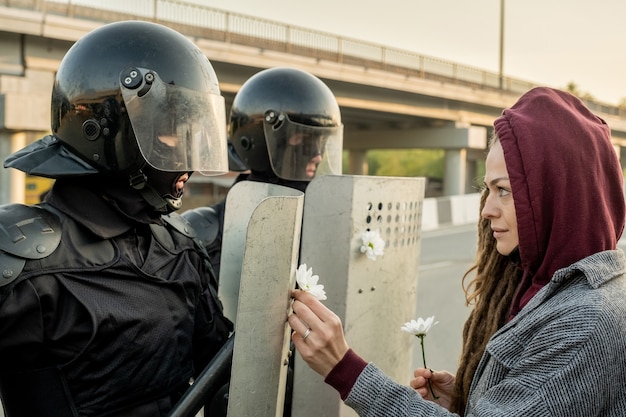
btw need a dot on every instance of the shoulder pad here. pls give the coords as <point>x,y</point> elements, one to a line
<point>10,268</point>
<point>180,224</point>
<point>205,221</point>
<point>26,232</point>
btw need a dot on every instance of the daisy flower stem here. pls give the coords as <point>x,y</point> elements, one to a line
<point>421,336</point>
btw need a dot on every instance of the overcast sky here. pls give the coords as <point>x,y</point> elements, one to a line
<point>548,42</point>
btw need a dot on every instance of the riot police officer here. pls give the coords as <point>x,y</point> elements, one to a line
<point>284,128</point>
<point>108,306</point>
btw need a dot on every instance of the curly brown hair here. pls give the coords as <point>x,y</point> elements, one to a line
<point>491,292</point>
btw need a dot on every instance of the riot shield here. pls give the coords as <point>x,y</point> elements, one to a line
<point>373,298</point>
<point>242,200</point>
<point>259,258</point>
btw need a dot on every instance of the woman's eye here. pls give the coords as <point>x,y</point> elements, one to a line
<point>503,192</point>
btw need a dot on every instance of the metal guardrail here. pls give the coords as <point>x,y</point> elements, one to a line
<point>220,25</point>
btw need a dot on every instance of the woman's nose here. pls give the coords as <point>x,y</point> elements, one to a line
<point>488,210</point>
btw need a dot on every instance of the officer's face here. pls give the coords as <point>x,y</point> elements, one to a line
<point>310,148</point>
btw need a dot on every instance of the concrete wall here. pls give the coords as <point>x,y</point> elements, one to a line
<point>450,211</point>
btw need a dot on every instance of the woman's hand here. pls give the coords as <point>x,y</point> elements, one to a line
<point>442,383</point>
<point>317,333</point>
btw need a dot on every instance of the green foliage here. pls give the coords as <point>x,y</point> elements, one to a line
<point>573,88</point>
<point>404,163</point>
<point>480,175</point>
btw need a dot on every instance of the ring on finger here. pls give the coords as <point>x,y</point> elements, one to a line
<point>306,334</point>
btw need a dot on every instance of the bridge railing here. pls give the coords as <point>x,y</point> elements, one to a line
<point>220,25</point>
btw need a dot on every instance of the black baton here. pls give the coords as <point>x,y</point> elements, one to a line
<point>206,383</point>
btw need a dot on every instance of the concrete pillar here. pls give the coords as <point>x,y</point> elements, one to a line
<point>17,179</point>
<point>11,180</point>
<point>5,183</point>
<point>619,150</point>
<point>622,160</point>
<point>14,183</point>
<point>357,162</point>
<point>470,178</point>
<point>454,179</point>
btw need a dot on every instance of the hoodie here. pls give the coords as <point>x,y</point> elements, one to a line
<point>566,181</point>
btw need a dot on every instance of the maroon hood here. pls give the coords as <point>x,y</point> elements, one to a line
<point>566,181</point>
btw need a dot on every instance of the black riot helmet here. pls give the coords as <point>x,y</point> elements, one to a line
<point>130,98</point>
<point>286,123</point>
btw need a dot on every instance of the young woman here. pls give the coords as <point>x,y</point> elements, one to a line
<point>555,206</point>
<point>494,279</point>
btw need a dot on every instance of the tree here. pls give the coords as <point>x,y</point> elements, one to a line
<point>573,88</point>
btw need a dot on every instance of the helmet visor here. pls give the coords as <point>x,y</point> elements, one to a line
<point>300,152</point>
<point>177,129</point>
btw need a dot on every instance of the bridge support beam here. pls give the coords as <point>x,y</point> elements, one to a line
<point>455,171</point>
<point>357,162</point>
<point>621,154</point>
<point>19,113</point>
<point>12,181</point>
<point>24,115</point>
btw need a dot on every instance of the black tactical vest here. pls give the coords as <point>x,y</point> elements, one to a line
<point>124,324</point>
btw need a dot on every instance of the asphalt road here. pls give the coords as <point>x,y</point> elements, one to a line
<point>445,256</point>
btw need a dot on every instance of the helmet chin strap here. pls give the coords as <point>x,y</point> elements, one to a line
<point>161,204</point>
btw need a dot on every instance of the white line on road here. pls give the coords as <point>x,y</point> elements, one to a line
<point>435,265</point>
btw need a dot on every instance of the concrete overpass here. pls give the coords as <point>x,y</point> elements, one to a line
<point>389,98</point>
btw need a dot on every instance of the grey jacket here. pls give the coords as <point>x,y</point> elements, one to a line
<point>563,355</point>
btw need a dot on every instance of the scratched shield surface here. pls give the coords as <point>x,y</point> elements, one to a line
<point>374,298</point>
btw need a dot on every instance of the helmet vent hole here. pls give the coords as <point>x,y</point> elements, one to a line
<point>91,129</point>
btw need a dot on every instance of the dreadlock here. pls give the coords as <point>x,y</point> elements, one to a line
<point>491,291</point>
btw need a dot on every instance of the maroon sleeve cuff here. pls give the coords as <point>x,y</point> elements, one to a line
<point>343,376</point>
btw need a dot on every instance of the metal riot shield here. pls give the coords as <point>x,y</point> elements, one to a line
<point>259,258</point>
<point>373,298</point>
